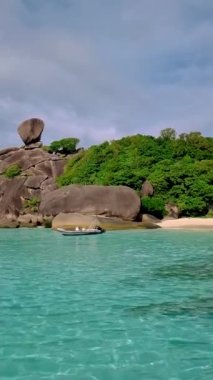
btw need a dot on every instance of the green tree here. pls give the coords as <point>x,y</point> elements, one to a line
<point>64,146</point>
<point>168,134</point>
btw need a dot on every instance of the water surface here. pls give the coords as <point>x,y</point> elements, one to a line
<point>127,305</point>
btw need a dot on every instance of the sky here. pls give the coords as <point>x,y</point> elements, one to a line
<point>102,69</point>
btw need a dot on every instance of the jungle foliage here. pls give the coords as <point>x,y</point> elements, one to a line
<point>179,168</point>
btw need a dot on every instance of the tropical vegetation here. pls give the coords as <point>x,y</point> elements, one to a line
<point>180,168</point>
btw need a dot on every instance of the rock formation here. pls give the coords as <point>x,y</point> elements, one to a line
<point>147,189</point>
<point>147,218</point>
<point>29,195</point>
<point>30,131</point>
<point>37,171</point>
<point>172,211</point>
<point>71,220</point>
<point>110,201</point>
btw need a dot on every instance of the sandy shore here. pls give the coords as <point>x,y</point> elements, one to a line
<point>188,223</point>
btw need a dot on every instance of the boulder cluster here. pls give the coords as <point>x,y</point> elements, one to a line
<point>28,191</point>
<point>20,195</point>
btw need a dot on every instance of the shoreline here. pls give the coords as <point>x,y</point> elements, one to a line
<point>187,224</point>
<point>114,224</point>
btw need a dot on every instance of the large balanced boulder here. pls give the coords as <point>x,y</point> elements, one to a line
<point>111,201</point>
<point>30,131</point>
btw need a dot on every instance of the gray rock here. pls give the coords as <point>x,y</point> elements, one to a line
<point>30,131</point>
<point>25,159</point>
<point>45,167</point>
<point>72,220</point>
<point>48,185</point>
<point>6,222</point>
<point>8,150</point>
<point>19,157</point>
<point>147,189</point>
<point>33,146</point>
<point>58,167</point>
<point>30,220</point>
<point>12,197</point>
<point>111,201</point>
<point>172,210</point>
<point>35,182</point>
<point>147,218</point>
<point>34,193</point>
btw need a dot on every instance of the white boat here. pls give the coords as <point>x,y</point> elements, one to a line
<point>80,232</point>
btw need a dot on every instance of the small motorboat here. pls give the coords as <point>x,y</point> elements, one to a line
<point>81,231</point>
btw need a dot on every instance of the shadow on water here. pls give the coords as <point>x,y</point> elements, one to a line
<point>203,271</point>
<point>195,307</point>
<point>133,282</point>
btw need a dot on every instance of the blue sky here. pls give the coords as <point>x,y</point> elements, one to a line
<point>102,69</point>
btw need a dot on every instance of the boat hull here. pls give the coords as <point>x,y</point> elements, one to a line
<point>80,232</point>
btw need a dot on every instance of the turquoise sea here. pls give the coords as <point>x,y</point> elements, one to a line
<point>127,305</point>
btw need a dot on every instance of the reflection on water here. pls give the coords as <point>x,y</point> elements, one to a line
<point>200,307</point>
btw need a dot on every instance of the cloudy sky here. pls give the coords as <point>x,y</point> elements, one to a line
<point>102,69</point>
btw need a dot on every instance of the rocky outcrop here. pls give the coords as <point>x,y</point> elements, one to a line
<point>110,201</point>
<point>30,131</point>
<point>70,221</point>
<point>38,172</point>
<point>147,189</point>
<point>12,193</point>
<point>20,196</point>
<point>7,222</point>
<point>7,150</point>
<point>29,195</point>
<point>30,220</point>
<point>147,218</point>
<point>172,210</point>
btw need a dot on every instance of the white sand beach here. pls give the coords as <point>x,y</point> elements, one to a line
<point>187,223</point>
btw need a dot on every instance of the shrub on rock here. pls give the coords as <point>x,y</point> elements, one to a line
<point>32,204</point>
<point>154,206</point>
<point>12,171</point>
